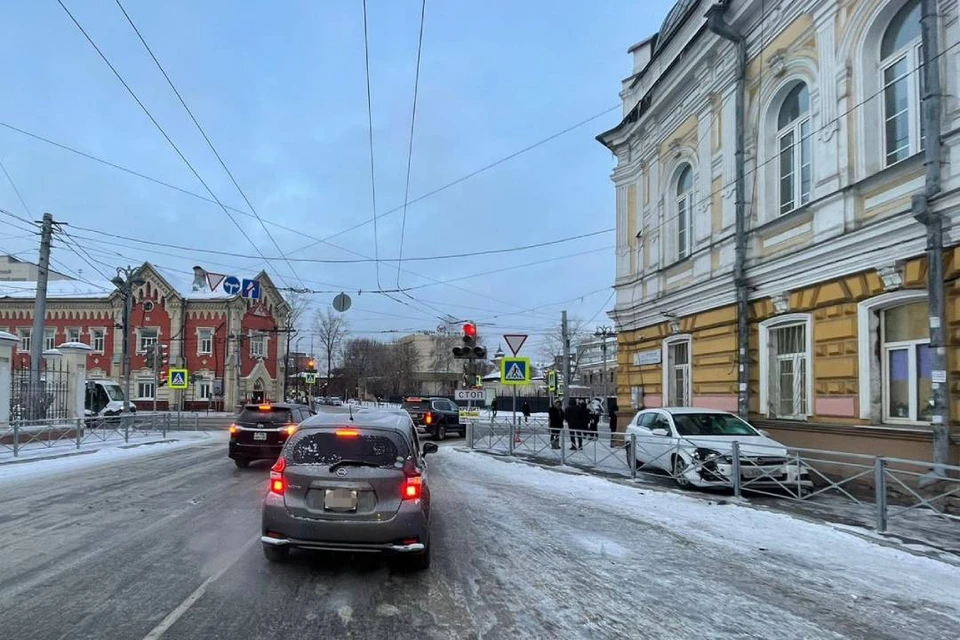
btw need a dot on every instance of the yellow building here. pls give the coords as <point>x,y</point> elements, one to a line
<point>817,239</point>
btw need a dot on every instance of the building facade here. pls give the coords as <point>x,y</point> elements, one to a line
<point>233,348</point>
<point>14,270</point>
<point>831,267</point>
<point>436,372</point>
<point>597,366</point>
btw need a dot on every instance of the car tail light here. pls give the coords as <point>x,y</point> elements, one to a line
<point>348,433</point>
<point>277,483</point>
<point>428,419</point>
<point>264,407</point>
<point>290,429</point>
<point>233,429</point>
<point>412,487</point>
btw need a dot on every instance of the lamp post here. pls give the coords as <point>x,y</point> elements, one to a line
<point>125,281</point>
<point>602,333</point>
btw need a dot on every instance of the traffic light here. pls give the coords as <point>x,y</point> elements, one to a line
<point>311,365</point>
<point>470,349</point>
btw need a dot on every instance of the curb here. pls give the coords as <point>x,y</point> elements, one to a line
<point>891,540</point>
<point>86,452</point>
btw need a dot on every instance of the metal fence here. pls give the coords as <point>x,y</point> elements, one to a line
<point>881,490</point>
<point>18,436</point>
<point>45,399</point>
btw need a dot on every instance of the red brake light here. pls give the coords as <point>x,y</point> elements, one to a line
<point>428,418</point>
<point>277,482</point>
<point>348,433</point>
<point>412,488</point>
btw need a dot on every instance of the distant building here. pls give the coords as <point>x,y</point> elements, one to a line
<point>14,270</point>
<point>436,372</point>
<point>232,347</point>
<point>594,371</point>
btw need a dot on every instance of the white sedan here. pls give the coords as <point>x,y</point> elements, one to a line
<point>695,446</point>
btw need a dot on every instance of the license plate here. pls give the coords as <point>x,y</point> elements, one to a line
<point>259,436</point>
<point>340,500</point>
<point>756,472</point>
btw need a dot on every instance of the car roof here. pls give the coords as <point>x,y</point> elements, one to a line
<point>688,410</point>
<point>367,418</point>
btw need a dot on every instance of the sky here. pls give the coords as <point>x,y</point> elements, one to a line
<point>280,90</point>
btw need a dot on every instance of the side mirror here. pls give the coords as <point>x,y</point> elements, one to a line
<point>430,447</point>
<point>764,433</point>
<point>659,432</point>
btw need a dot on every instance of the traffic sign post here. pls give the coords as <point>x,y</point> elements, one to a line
<point>471,395</point>
<point>515,341</point>
<point>178,378</point>
<point>250,289</point>
<point>231,285</point>
<point>515,372</point>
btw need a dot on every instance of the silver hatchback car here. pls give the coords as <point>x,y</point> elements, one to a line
<point>354,483</point>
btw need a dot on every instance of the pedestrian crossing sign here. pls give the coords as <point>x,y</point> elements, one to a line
<point>515,371</point>
<point>178,378</point>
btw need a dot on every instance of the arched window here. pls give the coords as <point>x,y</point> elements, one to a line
<point>902,84</point>
<point>684,211</point>
<point>793,143</point>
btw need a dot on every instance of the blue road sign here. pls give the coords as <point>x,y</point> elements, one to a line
<point>251,289</point>
<point>178,378</point>
<point>231,285</point>
<point>514,371</point>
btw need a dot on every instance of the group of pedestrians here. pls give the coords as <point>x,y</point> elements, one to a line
<point>582,420</point>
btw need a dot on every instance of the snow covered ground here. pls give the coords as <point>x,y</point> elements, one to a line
<point>38,462</point>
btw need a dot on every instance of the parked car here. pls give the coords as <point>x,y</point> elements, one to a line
<point>335,401</point>
<point>434,416</point>
<point>260,431</point>
<point>695,446</point>
<point>356,485</point>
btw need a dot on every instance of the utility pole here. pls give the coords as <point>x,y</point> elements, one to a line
<point>40,313</point>
<point>603,333</point>
<point>566,356</point>
<point>125,280</point>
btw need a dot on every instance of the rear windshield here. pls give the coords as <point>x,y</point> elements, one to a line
<point>418,404</point>
<point>327,448</point>
<point>273,415</point>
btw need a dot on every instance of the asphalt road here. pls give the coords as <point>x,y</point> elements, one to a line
<point>167,546</point>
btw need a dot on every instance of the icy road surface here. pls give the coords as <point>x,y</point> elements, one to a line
<point>166,546</point>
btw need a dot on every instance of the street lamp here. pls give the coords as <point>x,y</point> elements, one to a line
<point>125,281</point>
<point>602,333</point>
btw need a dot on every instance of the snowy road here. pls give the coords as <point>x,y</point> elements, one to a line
<point>166,546</point>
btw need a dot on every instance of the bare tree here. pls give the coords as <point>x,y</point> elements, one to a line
<point>331,329</point>
<point>402,358</point>
<point>551,345</point>
<point>364,364</point>
<point>299,303</point>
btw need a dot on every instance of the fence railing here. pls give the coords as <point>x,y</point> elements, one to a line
<point>882,489</point>
<point>73,433</point>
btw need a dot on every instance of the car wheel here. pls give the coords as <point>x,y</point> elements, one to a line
<point>242,463</point>
<point>679,466</point>
<point>273,553</point>
<point>420,561</point>
<point>441,432</point>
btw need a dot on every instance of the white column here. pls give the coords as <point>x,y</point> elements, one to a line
<point>7,342</point>
<point>75,355</point>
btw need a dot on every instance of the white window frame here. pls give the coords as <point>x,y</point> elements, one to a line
<point>26,338</point>
<point>258,338</point>
<point>765,329</point>
<point>146,382</point>
<point>205,391</point>
<point>795,128</point>
<point>141,345</point>
<point>911,52</point>
<point>78,331</point>
<point>667,369</point>
<point>204,333</point>
<point>98,333</point>
<point>869,369</point>
<point>683,202</point>
<point>49,338</point>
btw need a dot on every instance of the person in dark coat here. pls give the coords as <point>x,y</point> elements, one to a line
<point>525,409</point>
<point>576,421</point>
<point>555,418</point>
<point>612,416</point>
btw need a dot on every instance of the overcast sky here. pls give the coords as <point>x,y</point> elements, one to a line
<point>280,89</point>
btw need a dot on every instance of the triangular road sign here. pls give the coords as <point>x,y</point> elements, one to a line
<point>515,341</point>
<point>214,280</point>
<point>515,372</point>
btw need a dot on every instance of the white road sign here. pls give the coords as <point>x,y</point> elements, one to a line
<point>473,395</point>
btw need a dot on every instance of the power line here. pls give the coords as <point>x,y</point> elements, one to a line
<point>15,189</point>
<point>206,138</point>
<point>161,129</point>
<point>413,122</point>
<point>466,177</point>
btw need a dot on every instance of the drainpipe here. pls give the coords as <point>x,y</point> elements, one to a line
<point>924,214</point>
<point>719,26</point>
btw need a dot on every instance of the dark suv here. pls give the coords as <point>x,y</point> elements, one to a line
<point>261,430</point>
<point>434,416</point>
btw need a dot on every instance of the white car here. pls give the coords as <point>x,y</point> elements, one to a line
<point>695,447</point>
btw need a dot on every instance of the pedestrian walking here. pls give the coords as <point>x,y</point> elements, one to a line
<point>525,409</point>
<point>574,415</point>
<point>555,420</point>
<point>612,417</point>
<point>493,409</point>
<point>595,413</point>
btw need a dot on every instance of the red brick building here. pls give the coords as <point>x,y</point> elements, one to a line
<point>234,348</point>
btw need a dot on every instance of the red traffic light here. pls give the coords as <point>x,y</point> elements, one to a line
<point>470,330</point>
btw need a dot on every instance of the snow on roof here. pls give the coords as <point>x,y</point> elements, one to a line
<point>56,289</point>
<point>184,284</point>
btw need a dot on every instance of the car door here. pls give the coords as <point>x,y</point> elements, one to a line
<point>454,413</point>
<point>660,446</point>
